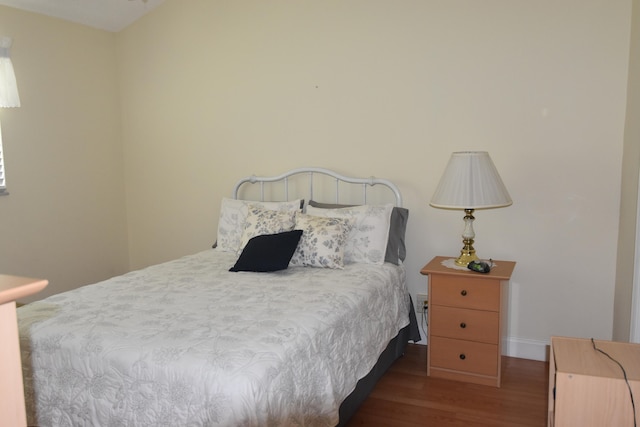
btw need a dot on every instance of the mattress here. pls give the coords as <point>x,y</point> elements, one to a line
<point>189,343</point>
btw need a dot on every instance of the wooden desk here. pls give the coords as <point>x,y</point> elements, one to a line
<point>12,412</point>
<point>589,388</point>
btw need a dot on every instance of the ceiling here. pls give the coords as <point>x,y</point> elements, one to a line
<point>110,15</point>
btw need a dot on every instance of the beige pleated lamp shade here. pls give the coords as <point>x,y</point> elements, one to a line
<point>470,181</point>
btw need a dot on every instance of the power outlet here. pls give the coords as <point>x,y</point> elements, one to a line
<point>422,301</point>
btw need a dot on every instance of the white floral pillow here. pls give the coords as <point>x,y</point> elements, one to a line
<point>367,242</point>
<point>322,242</point>
<point>233,214</point>
<point>265,221</point>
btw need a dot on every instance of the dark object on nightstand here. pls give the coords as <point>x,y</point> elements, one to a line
<point>479,266</point>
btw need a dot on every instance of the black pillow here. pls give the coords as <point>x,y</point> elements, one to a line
<point>268,252</point>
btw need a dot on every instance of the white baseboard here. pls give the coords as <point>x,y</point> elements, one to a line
<point>526,349</point>
<point>522,348</point>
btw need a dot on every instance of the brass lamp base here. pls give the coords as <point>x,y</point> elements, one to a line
<point>466,256</point>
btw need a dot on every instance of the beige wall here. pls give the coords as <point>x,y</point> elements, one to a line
<point>629,201</point>
<point>215,90</point>
<point>64,219</point>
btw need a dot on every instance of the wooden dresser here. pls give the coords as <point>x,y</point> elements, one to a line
<point>12,411</point>
<point>587,388</point>
<point>467,321</point>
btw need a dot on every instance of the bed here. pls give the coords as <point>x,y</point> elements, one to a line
<point>289,320</point>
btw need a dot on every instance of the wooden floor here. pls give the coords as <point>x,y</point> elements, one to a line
<point>405,396</point>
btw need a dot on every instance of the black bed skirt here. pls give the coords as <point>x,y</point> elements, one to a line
<point>393,351</point>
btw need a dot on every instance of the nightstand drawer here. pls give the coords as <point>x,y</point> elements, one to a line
<point>466,324</point>
<point>461,292</point>
<point>464,356</point>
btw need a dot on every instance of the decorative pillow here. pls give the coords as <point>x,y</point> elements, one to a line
<point>233,214</point>
<point>323,241</point>
<point>264,221</point>
<point>268,252</point>
<point>396,247</point>
<point>367,242</point>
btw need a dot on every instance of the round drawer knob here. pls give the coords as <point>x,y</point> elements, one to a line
<point>463,325</point>
<point>463,293</point>
<point>462,356</point>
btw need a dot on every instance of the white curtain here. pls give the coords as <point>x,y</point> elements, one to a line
<point>8,86</point>
<point>3,181</point>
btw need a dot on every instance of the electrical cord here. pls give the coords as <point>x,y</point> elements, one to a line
<point>626,380</point>
<point>424,322</point>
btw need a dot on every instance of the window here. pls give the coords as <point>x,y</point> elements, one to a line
<point>3,181</point>
<point>9,97</point>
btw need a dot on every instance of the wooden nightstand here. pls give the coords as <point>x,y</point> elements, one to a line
<point>467,321</point>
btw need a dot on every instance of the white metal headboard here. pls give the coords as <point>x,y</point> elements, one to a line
<point>365,182</point>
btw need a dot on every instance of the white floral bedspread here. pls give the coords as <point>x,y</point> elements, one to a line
<point>187,343</point>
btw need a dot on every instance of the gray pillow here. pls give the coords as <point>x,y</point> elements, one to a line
<point>396,249</point>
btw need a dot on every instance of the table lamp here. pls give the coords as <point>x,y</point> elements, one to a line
<point>470,181</point>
